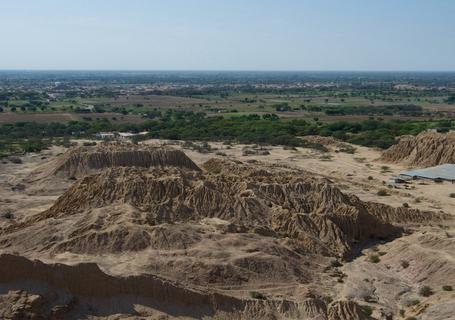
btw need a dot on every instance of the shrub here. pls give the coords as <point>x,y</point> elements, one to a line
<point>33,145</point>
<point>374,258</point>
<point>425,291</point>
<point>326,157</point>
<point>284,235</point>
<point>257,295</point>
<point>15,160</point>
<point>335,263</point>
<point>367,310</point>
<point>406,205</point>
<point>411,318</point>
<point>8,214</point>
<point>413,302</point>
<point>452,195</point>
<point>404,264</point>
<point>382,193</point>
<point>447,288</point>
<point>327,299</point>
<point>438,180</point>
<point>370,178</point>
<point>347,149</point>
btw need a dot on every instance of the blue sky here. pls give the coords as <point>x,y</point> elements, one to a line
<point>228,35</point>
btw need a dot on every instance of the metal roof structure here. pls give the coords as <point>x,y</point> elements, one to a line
<point>444,171</point>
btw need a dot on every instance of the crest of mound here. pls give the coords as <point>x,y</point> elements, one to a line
<point>84,160</point>
<point>425,150</point>
<point>125,209</point>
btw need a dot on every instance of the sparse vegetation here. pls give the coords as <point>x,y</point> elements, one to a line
<point>335,264</point>
<point>203,147</point>
<point>385,169</point>
<point>382,193</point>
<point>414,302</point>
<point>346,148</point>
<point>15,160</point>
<point>368,310</point>
<point>8,214</point>
<point>447,288</point>
<point>374,258</point>
<point>425,291</point>
<point>326,157</point>
<point>284,235</point>
<point>257,295</point>
<point>404,264</point>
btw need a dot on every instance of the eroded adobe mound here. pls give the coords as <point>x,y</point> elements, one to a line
<point>424,150</point>
<point>127,209</point>
<point>80,161</point>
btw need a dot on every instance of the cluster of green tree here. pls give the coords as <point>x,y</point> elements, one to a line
<point>374,133</point>
<point>18,146</point>
<point>266,129</point>
<point>31,106</point>
<point>405,109</point>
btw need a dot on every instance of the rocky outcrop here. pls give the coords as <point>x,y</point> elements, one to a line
<point>424,150</point>
<point>18,304</point>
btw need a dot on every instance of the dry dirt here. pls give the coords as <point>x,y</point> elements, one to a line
<point>282,234</point>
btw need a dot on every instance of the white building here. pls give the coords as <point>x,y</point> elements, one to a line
<point>105,135</point>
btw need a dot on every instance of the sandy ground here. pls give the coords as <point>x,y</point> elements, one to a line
<point>13,199</point>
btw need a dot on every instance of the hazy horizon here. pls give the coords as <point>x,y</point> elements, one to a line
<point>203,35</point>
<point>227,70</point>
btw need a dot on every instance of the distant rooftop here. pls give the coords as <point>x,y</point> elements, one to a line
<point>445,171</point>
